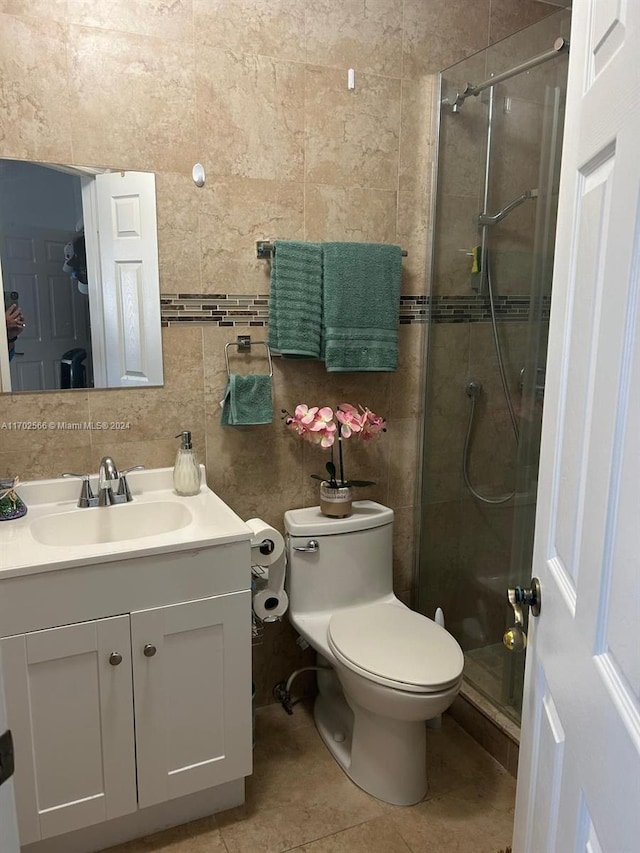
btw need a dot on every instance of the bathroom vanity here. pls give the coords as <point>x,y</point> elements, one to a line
<point>127,662</point>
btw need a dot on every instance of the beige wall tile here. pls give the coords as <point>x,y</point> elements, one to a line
<point>417,133</point>
<point>132,101</point>
<point>274,28</point>
<point>442,33</point>
<point>250,115</point>
<point>234,213</point>
<point>33,102</point>
<point>53,10</point>
<point>404,548</point>
<point>463,142</point>
<point>414,235</point>
<point>358,215</point>
<point>165,19</point>
<point>349,35</point>
<point>352,137</point>
<point>180,261</point>
<point>407,387</point>
<point>508,16</point>
<point>403,435</point>
<point>455,236</point>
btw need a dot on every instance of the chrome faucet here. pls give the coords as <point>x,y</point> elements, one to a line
<point>107,476</point>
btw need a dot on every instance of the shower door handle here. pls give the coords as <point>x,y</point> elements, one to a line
<point>515,638</point>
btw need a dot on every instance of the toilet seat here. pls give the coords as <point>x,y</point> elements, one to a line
<point>396,647</point>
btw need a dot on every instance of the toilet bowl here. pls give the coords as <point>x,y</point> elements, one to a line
<point>385,669</point>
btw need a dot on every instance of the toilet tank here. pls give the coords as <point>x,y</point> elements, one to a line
<point>353,563</point>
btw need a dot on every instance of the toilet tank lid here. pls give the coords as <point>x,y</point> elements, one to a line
<point>309,521</point>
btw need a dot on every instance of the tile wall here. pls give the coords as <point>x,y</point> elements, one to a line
<point>256,92</point>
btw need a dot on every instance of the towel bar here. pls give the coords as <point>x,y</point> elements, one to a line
<point>265,250</point>
<point>244,345</point>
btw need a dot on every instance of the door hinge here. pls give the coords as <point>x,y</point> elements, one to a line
<point>6,756</point>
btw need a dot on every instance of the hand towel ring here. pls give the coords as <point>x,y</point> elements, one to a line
<point>244,345</point>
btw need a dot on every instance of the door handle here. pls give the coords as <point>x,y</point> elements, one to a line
<point>515,638</point>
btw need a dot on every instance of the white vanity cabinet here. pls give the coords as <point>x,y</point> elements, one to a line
<point>71,714</point>
<point>145,701</point>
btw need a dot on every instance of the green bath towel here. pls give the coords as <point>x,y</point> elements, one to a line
<point>361,306</point>
<point>247,400</point>
<point>295,299</point>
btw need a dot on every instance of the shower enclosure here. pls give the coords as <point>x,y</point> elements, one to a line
<point>500,139</point>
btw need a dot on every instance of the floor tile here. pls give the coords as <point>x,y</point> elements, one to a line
<point>455,823</point>
<point>299,799</point>
<point>199,836</point>
<point>375,836</point>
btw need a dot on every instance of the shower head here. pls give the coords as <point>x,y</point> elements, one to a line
<point>487,219</point>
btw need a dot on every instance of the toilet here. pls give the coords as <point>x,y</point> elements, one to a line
<point>384,669</point>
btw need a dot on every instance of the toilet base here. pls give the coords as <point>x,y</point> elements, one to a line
<point>383,756</point>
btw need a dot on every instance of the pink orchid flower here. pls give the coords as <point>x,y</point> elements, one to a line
<point>304,414</point>
<point>372,424</point>
<point>321,425</point>
<point>323,419</point>
<point>350,419</point>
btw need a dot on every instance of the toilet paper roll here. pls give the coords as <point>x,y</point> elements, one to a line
<point>267,544</point>
<point>269,605</point>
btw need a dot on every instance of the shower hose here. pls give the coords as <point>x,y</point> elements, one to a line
<point>474,391</point>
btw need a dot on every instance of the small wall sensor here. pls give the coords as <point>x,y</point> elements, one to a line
<point>197,173</point>
<point>351,78</point>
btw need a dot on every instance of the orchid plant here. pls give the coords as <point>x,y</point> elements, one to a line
<point>324,426</point>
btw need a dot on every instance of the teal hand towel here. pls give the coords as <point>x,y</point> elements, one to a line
<point>295,299</point>
<point>361,306</point>
<point>247,400</point>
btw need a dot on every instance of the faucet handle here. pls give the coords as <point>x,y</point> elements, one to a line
<point>86,494</point>
<point>123,486</point>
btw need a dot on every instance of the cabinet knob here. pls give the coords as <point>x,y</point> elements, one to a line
<point>115,658</point>
<point>149,650</point>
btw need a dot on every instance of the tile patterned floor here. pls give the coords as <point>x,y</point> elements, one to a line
<point>299,799</point>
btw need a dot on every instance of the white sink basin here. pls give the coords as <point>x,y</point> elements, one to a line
<point>56,534</point>
<point>110,524</point>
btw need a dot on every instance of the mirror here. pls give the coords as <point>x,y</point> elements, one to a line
<point>79,259</point>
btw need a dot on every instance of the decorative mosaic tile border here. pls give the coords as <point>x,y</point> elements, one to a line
<point>467,309</point>
<point>236,309</point>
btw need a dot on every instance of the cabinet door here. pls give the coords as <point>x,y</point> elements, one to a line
<point>192,689</point>
<point>71,712</point>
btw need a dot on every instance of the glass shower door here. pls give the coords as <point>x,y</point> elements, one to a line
<point>479,472</point>
<point>532,375</point>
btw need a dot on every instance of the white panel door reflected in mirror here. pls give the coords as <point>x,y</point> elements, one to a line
<point>79,257</point>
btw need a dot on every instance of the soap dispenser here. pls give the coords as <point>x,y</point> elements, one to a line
<point>186,471</point>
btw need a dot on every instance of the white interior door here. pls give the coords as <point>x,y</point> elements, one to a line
<point>56,313</point>
<point>8,822</point>
<point>192,688</point>
<point>579,774</point>
<point>126,324</point>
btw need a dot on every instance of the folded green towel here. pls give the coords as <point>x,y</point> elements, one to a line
<point>361,306</point>
<point>295,299</point>
<point>247,400</point>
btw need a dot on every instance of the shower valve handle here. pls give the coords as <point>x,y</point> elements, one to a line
<point>515,638</point>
